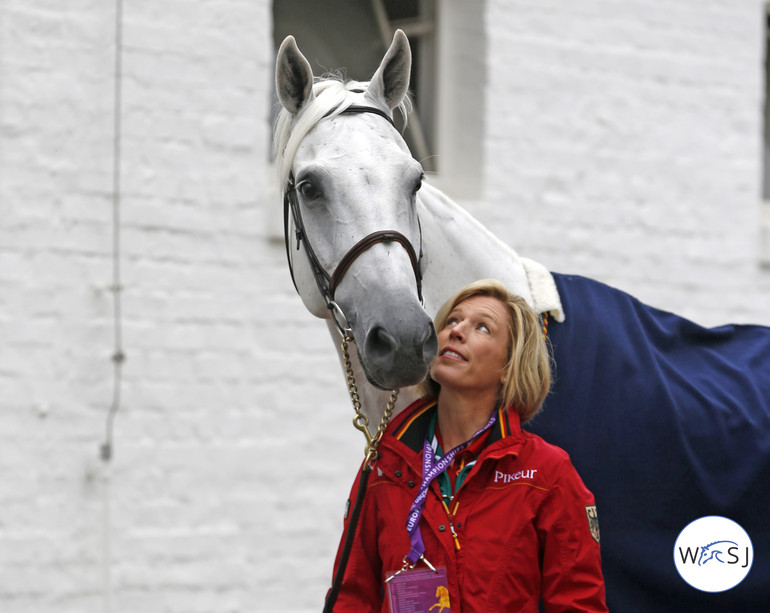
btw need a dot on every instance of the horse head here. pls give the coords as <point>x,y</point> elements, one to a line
<point>353,234</point>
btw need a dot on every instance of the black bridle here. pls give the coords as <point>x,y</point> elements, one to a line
<point>327,284</point>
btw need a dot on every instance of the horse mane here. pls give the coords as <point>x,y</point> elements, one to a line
<point>332,96</point>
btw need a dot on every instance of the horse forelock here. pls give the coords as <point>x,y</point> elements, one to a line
<point>333,95</point>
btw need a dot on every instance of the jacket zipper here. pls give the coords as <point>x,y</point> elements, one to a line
<point>450,518</point>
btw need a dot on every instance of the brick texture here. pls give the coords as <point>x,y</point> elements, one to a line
<point>621,140</point>
<point>627,138</point>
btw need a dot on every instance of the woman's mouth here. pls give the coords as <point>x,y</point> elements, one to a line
<point>451,353</point>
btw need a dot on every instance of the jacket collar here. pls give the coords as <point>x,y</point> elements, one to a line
<point>412,428</point>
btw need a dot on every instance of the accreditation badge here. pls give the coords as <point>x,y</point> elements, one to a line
<point>418,591</point>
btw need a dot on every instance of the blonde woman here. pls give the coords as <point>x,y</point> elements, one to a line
<point>462,498</point>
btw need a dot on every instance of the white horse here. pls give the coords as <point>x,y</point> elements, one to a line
<point>666,421</point>
<point>354,175</point>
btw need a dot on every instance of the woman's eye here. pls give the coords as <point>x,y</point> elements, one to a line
<point>484,328</point>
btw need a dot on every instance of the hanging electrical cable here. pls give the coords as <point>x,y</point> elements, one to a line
<point>118,357</point>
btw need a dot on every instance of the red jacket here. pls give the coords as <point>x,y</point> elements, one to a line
<point>524,521</point>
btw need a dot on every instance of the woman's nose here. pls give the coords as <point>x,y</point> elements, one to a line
<point>456,332</point>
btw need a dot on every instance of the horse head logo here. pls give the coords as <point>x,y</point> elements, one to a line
<point>713,551</point>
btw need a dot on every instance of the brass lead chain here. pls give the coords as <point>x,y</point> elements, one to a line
<point>361,421</point>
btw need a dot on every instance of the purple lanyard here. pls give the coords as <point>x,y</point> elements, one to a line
<point>430,470</point>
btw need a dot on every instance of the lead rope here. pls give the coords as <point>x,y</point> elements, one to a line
<point>361,422</point>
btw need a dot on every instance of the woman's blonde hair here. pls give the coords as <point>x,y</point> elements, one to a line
<point>528,371</point>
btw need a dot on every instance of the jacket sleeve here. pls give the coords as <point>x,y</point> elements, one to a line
<point>569,535</point>
<point>361,590</point>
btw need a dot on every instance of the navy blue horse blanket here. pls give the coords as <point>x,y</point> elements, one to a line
<point>666,421</point>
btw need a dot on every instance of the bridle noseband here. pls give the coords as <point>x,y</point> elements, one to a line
<point>327,284</point>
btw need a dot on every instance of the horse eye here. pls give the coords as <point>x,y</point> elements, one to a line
<point>309,191</point>
<point>418,185</point>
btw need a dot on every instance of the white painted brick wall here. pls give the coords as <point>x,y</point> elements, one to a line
<point>220,499</point>
<point>624,135</point>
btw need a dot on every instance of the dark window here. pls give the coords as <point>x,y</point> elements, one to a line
<point>353,37</point>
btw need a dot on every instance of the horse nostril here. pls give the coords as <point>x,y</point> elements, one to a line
<point>379,344</point>
<point>429,343</point>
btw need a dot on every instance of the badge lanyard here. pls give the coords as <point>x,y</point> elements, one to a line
<point>430,470</point>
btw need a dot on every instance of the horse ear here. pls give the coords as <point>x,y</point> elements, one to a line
<point>391,80</point>
<point>293,76</point>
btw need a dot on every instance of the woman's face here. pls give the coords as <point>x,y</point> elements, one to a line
<point>473,346</point>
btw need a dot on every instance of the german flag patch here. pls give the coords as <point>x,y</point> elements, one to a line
<point>593,521</point>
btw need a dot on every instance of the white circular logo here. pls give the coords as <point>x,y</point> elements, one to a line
<point>713,554</point>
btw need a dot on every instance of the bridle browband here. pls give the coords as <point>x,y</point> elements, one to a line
<point>327,284</point>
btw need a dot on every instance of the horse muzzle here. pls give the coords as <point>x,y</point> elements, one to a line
<point>397,352</point>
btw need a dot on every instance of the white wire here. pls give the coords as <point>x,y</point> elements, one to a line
<point>118,356</point>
